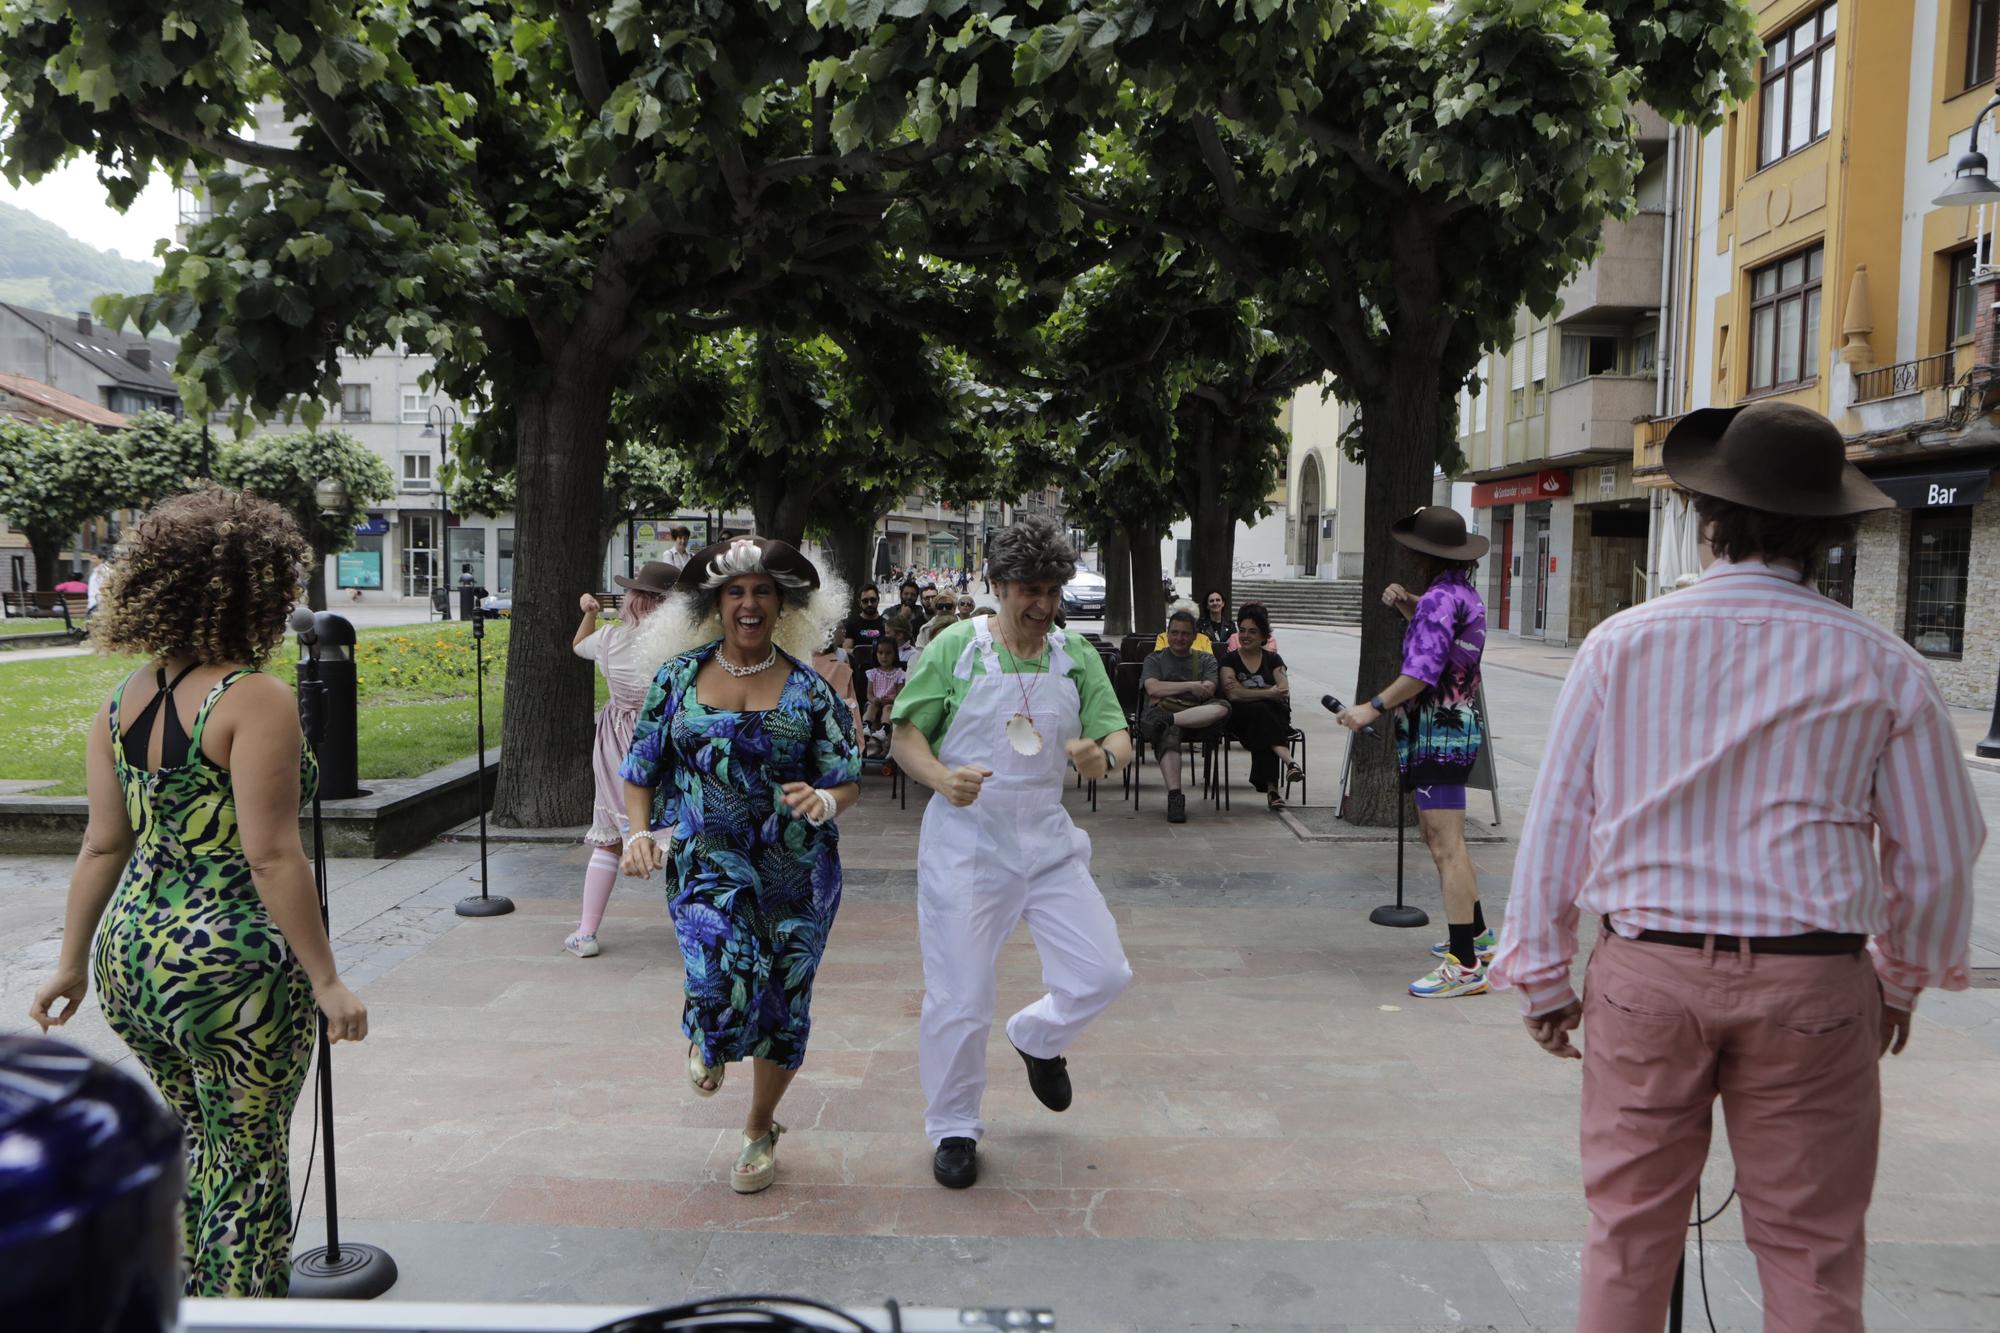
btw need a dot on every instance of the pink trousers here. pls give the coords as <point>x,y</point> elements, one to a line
<point>1790,1043</point>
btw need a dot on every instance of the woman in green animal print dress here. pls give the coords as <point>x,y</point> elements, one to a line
<point>212,957</point>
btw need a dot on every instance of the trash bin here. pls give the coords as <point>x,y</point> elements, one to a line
<point>468,593</point>
<point>340,713</point>
<point>92,1171</point>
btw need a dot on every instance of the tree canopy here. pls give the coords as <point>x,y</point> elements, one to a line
<point>286,469</point>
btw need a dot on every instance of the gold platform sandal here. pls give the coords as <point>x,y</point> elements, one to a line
<point>757,1165</point>
<point>706,1080</point>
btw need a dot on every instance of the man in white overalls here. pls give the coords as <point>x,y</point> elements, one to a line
<point>995,714</point>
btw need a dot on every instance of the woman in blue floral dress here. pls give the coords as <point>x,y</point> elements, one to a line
<point>741,759</point>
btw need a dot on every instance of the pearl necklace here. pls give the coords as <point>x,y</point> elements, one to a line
<point>740,671</point>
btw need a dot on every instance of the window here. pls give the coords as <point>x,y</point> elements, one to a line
<point>1940,559</point>
<point>1538,369</point>
<point>1784,322</point>
<point>1645,352</point>
<point>1183,559</point>
<point>1797,101</point>
<point>1836,574</point>
<point>416,472</point>
<point>356,401</point>
<point>1587,354</point>
<point>416,407</point>
<point>1518,368</point>
<point>1962,313</point>
<point>1982,28</point>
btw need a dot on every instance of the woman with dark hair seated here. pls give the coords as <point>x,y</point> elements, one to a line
<point>213,960</point>
<point>1260,697</point>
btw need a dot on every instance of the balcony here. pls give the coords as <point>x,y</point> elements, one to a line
<point>1595,415</point>
<point>1625,279</point>
<point>1926,372</point>
<point>1899,396</point>
<point>1648,434</point>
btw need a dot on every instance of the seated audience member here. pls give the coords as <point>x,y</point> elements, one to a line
<point>1180,686</point>
<point>1260,705</point>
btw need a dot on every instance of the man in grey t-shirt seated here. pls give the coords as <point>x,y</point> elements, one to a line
<point>1181,687</point>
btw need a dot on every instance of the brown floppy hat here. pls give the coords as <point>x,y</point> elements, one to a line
<point>1777,457</point>
<point>1439,530</point>
<point>655,576</point>
<point>781,560</point>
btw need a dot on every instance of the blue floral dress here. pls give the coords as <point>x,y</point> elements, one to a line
<point>754,887</point>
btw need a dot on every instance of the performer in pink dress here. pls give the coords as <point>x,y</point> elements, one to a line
<point>628,665</point>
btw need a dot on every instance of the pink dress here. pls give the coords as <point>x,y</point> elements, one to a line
<point>618,655</point>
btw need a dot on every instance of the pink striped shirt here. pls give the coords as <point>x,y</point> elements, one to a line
<point>1747,757</point>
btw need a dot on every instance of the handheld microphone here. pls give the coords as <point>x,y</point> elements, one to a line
<point>1333,705</point>
<point>302,625</point>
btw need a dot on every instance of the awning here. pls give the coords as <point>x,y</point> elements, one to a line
<point>1937,488</point>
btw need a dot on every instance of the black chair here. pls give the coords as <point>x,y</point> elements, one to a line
<point>1136,647</point>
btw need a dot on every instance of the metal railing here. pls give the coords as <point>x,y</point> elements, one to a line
<point>1926,372</point>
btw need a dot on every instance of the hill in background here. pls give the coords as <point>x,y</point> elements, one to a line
<point>43,266</point>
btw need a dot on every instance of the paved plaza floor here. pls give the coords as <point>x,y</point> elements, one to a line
<point>1269,1133</point>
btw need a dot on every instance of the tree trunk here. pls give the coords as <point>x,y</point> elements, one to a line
<point>1149,602</point>
<point>1400,436</point>
<point>1116,553</point>
<point>781,502</point>
<point>851,542</point>
<point>545,776</point>
<point>46,549</point>
<point>1212,527</point>
<point>316,581</point>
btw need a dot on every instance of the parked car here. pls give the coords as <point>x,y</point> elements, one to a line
<point>1083,595</point>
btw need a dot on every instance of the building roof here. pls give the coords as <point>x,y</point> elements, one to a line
<point>32,400</point>
<point>109,350</point>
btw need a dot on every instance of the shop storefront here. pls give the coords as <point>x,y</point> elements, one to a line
<point>1912,569</point>
<point>1528,520</point>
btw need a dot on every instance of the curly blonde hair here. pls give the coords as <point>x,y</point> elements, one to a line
<point>210,575</point>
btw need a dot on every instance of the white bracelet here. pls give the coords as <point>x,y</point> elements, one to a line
<point>827,810</point>
<point>645,833</point>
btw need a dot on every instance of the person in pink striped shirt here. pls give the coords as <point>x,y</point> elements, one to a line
<point>1761,795</point>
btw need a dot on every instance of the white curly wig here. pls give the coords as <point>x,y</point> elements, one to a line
<point>808,617</point>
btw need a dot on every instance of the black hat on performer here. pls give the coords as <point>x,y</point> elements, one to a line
<point>714,565</point>
<point>1439,530</point>
<point>1777,457</point>
<point>655,576</point>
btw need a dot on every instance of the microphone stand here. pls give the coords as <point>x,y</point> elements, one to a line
<point>495,904</point>
<point>1396,913</point>
<point>352,1272</point>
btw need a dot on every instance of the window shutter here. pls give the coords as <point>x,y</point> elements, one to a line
<point>1519,360</point>
<point>1540,343</point>
<point>1464,413</point>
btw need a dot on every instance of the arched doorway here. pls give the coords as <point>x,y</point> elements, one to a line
<point>1309,518</point>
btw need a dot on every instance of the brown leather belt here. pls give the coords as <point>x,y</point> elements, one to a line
<point>1812,942</point>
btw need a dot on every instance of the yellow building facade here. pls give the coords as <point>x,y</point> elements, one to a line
<point>1808,263</point>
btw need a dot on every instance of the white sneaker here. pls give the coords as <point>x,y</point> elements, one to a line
<point>583,946</point>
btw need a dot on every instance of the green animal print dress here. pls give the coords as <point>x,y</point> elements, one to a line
<point>196,979</point>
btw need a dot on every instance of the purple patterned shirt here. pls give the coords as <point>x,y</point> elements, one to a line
<point>1440,736</point>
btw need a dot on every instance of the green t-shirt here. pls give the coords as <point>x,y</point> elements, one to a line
<point>931,698</point>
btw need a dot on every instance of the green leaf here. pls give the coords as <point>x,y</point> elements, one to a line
<point>286,47</point>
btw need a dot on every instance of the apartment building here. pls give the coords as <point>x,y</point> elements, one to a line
<point>1547,437</point>
<point>1811,263</point>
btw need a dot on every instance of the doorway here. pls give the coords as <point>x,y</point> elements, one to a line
<point>1309,519</point>
<point>1502,597</point>
<point>1541,579</point>
<point>420,555</point>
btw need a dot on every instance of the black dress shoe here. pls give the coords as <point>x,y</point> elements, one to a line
<point>956,1163</point>
<point>1049,1078</point>
<point>1176,807</point>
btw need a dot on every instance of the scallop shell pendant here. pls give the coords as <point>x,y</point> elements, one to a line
<point>1022,734</point>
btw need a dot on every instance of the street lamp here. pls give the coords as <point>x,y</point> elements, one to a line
<point>1970,187</point>
<point>440,419</point>
<point>330,494</point>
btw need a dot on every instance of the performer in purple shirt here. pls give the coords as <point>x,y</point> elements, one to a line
<point>1438,737</point>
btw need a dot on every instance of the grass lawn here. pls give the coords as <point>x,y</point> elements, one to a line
<point>13,625</point>
<point>416,703</point>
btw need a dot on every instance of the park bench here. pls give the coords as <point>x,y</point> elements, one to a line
<point>50,606</point>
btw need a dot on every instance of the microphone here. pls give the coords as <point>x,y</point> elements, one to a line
<point>1333,705</point>
<point>302,625</point>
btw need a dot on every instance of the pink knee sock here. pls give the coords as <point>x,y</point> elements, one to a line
<point>598,881</point>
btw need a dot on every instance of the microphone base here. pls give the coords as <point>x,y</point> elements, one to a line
<point>494,905</point>
<point>362,1273</point>
<point>1395,914</point>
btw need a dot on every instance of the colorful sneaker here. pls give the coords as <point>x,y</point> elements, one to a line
<point>583,946</point>
<point>1450,979</point>
<point>1483,942</point>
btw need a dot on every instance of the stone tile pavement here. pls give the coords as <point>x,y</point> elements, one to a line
<point>1268,1133</point>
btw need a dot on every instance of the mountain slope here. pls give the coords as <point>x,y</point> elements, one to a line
<point>43,266</point>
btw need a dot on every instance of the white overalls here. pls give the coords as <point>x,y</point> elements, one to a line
<point>982,868</point>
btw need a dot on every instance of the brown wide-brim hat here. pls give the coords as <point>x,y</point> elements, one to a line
<point>1439,530</point>
<point>655,576</point>
<point>1777,457</point>
<point>781,560</point>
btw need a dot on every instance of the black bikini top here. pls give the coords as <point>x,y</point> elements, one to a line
<point>173,740</point>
